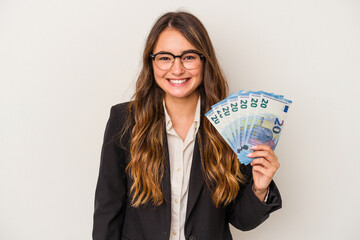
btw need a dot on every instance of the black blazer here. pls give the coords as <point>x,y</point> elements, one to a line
<point>115,219</point>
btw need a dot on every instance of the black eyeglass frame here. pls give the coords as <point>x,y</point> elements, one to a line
<point>202,57</point>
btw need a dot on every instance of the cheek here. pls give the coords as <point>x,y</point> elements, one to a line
<point>158,74</point>
<point>199,75</point>
<point>159,78</point>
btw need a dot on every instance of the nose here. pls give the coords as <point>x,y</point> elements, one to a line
<point>177,68</point>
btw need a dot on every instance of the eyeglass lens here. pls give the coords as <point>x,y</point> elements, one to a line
<point>165,61</point>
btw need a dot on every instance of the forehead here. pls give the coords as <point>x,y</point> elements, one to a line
<point>171,40</point>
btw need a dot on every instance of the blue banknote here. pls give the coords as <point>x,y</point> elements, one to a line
<point>247,119</point>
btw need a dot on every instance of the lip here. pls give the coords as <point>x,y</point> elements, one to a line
<point>178,82</point>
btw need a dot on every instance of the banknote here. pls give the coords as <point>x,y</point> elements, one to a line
<point>219,126</point>
<point>222,110</point>
<point>247,119</point>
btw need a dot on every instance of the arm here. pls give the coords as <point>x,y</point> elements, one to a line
<point>110,195</point>
<point>249,210</point>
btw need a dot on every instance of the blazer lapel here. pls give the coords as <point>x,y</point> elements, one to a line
<point>196,180</point>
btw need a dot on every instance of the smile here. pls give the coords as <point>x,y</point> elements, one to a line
<point>178,81</point>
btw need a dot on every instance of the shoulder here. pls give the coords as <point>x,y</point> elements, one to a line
<point>119,120</point>
<point>119,113</point>
<point>120,109</point>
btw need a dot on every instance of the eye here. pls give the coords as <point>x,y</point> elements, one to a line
<point>164,57</point>
<point>190,57</point>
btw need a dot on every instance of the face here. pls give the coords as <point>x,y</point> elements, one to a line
<point>177,82</point>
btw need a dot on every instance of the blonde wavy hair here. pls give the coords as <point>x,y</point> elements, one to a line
<point>220,167</point>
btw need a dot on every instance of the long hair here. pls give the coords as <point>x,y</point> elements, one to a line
<point>221,169</point>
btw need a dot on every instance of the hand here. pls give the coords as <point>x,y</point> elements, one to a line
<point>264,166</point>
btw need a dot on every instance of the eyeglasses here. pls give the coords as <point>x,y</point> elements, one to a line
<point>189,59</point>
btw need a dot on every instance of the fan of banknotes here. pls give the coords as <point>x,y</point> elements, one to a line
<point>246,119</point>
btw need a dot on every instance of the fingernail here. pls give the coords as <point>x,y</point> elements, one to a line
<point>249,155</point>
<point>253,147</point>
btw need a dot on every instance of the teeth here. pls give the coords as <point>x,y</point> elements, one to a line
<point>178,81</point>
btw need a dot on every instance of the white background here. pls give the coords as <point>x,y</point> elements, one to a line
<point>63,64</point>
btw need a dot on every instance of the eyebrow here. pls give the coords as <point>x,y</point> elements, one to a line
<point>184,52</point>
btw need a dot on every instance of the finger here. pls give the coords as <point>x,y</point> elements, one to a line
<point>262,147</point>
<point>262,162</point>
<point>267,172</point>
<point>264,154</point>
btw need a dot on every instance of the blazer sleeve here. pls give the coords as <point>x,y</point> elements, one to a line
<point>247,211</point>
<point>110,194</point>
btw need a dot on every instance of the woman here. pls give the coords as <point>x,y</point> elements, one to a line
<point>165,171</point>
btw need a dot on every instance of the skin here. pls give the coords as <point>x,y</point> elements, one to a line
<point>181,100</point>
<point>265,165</point>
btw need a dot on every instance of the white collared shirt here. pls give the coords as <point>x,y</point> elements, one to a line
<point>180,157</point>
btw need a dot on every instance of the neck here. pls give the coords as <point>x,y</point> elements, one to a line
<point>180,108</point>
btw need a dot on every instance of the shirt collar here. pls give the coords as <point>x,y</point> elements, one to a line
<point>196,118</point>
